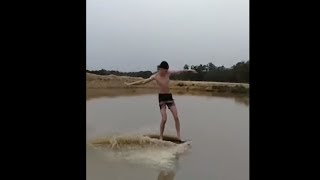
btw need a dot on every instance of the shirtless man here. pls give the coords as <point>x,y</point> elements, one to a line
<point>162,77</point>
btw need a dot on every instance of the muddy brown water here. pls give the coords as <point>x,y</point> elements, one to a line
<point>217,125</point>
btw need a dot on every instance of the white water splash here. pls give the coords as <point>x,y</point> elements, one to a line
<point>141,150</point>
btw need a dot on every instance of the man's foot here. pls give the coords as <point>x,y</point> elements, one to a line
<point>179,137</point>
<point>161,138</point>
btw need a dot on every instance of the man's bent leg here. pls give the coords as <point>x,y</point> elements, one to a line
<point>163,120</point>
<point>174,112</point>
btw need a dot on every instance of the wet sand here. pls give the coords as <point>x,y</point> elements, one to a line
<point>116,92</point>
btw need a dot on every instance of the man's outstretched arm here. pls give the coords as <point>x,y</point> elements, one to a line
<point>143,81</point>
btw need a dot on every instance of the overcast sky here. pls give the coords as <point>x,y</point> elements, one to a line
<point>134,35</point>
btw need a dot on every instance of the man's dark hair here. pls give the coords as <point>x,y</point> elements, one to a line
<point>163,65</point>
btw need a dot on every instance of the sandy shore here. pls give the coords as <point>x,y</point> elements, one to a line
<point>111,81</point>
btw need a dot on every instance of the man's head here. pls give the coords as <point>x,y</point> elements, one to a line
<point>163,67</point>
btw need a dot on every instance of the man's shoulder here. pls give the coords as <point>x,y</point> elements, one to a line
<point>171,72</point>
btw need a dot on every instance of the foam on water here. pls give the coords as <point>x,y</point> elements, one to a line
<point>140,149</point>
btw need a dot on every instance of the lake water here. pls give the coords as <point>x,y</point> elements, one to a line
<point>217,126</point>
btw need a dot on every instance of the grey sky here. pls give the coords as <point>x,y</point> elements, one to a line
<point>134,35</point>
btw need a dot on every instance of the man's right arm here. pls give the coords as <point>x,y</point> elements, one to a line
<point>143,81</point>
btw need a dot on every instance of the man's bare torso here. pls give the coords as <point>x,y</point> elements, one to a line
<point>163,83</point>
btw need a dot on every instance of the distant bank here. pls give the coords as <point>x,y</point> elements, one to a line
<point>111,81</point>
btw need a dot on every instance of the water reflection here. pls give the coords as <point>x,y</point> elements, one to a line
<point>164,175</point>
<point>170,174</point>
<point>242,100</point>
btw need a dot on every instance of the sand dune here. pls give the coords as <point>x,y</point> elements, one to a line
<point>112,81</point>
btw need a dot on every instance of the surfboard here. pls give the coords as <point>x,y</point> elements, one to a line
<point>169,138</point>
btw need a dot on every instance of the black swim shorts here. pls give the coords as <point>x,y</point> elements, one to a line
<point>166,100</point>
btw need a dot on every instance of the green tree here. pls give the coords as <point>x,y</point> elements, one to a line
<point>186,67</point>
<point>211,66</point>
<point>237,73</point>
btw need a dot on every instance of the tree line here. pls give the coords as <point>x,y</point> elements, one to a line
<point>238,73</point>
<point>143,74</point>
